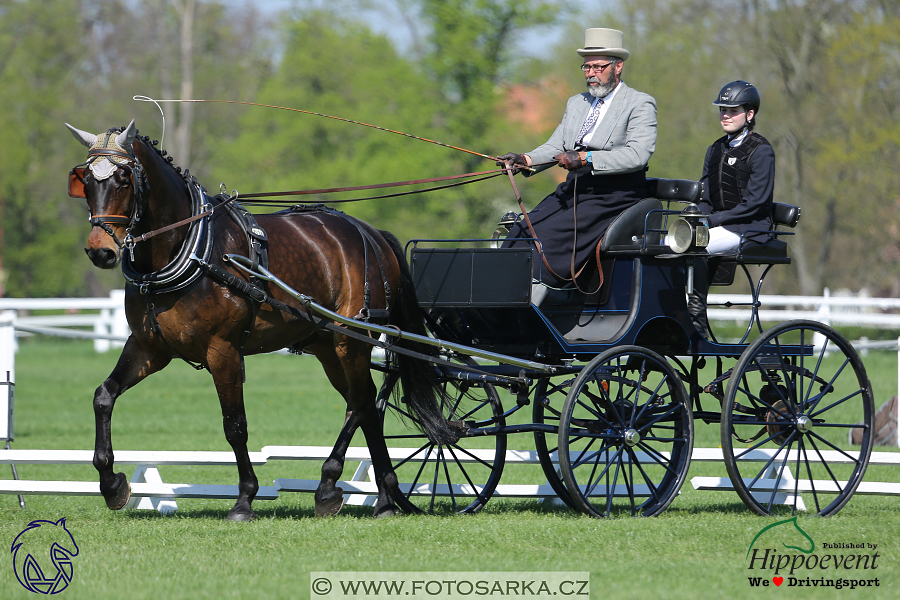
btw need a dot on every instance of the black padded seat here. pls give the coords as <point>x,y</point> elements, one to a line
<point>627,230</point>
<point>682,190</point>
<point>752,252</point>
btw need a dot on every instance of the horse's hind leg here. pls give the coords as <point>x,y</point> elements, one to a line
<point>134,364</point>
<point>330,498</point>
<point>224,362</point>
<point>347,366</point>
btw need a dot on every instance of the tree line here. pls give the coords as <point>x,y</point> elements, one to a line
<point>828,72</point>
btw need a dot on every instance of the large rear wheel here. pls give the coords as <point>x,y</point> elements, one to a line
<point>797,421</point>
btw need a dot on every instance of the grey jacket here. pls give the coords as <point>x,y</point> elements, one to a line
<point>622,143</point>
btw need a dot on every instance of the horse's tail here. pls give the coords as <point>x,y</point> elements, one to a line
<point>418,378</point>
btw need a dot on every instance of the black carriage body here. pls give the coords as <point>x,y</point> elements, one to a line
<point>482,298</point>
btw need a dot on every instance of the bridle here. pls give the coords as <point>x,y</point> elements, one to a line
<point>138,183</point>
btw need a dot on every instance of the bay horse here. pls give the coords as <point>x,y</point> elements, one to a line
<point>176,308</point>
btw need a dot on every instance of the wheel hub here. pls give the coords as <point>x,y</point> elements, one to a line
<point>632,437</point>
<point>804,424</point>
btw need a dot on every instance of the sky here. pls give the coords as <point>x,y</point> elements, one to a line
<point>390,22</point>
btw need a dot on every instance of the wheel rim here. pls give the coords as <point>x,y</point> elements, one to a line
<point>446,478</point>
<point>797,427</point>
<point>626,434</point>
<point>549,398</point>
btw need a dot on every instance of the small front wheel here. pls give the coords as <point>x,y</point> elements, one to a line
<point>626,434</point>
<point>435,477</point>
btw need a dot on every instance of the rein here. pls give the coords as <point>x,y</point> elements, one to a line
<point>478,176</point>
<point>509,171</point>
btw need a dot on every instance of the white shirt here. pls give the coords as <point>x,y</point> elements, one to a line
<point>603,110</point>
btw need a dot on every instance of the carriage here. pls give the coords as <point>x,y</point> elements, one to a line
<point>620,384</point>
<point>614,378</point>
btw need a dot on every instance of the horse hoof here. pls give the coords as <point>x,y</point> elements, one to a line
<point>122,494</point>
<point>331,506</point>
<point>241,516</point>
<point>382,513</point>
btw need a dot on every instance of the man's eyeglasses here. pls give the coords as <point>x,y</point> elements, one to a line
<point>597,68</point>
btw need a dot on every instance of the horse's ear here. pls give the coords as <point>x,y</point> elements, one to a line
<point>84,137</point>
<point>126,138</point>
<point>62,522</point>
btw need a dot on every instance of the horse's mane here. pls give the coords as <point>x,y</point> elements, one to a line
<point>152,144</point>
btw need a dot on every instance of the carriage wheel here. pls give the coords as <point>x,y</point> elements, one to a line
<point>796,427</point>
<point>458,477</point>
<point>626,434</point>
<point>549,397</point>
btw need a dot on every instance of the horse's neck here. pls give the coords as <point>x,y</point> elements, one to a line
<point>165,200</point>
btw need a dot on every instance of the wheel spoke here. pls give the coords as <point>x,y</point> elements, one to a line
<point>780,474</point>
<point>658,459</point>
<point>812,482</point>
<point>816,435</point>
<point>841,401</point>
<point>830,385</point>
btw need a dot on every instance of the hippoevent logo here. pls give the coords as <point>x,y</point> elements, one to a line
<point>42,556</point>
<point>784,554</point>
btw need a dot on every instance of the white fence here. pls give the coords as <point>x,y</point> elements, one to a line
<point>837,311</point>
<point>107,321</point>
<point>106,316</point>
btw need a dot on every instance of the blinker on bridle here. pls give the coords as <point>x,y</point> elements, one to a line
<point>138,181</point>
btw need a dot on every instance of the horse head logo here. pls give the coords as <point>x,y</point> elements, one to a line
<point>791,533</point>
<point>34,569</point>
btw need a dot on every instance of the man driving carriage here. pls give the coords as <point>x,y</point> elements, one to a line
<point>605,141</point>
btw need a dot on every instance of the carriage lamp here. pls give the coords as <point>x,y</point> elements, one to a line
<point>503,226</point>
<point>689,232</point>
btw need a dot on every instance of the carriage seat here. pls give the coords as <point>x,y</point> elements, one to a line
<point>772,251</point>
<point>680,190</point>
<point>767,251</point>
<point>626,231</point>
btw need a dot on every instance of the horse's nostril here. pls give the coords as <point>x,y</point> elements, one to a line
<point>103,258</point>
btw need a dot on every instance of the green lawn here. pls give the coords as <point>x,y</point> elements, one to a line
<point>699,546</point>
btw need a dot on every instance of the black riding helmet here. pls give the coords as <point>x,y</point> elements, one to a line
<point>739,93</point>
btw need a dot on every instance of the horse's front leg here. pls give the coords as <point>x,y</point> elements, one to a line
<point>134,364</point>
<point>224,361</point>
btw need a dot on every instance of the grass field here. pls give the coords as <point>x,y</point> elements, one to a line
<point>697,548</point>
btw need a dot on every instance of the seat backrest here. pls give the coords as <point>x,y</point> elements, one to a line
<point>785,214</point>
<point>683,190</point>
<point>630,224</point>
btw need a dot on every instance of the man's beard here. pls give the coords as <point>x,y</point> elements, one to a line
<point>601,90</point>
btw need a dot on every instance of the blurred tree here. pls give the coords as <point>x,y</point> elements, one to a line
<point>40,65</point>
<point>81,61</point>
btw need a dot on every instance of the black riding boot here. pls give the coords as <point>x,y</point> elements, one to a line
<point>697,310</point>
<point>697,298</point>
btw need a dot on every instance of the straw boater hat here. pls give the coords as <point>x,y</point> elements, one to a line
<point>603,42</point>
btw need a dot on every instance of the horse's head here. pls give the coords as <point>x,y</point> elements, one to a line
<point>111,181</point>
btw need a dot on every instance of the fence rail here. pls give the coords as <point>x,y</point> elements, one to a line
<point>106,316</point>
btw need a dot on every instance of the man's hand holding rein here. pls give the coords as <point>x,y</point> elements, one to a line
<point>515,162</point>
<point>571,160</point>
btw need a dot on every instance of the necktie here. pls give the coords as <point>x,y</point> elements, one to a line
<point>589,122</point>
